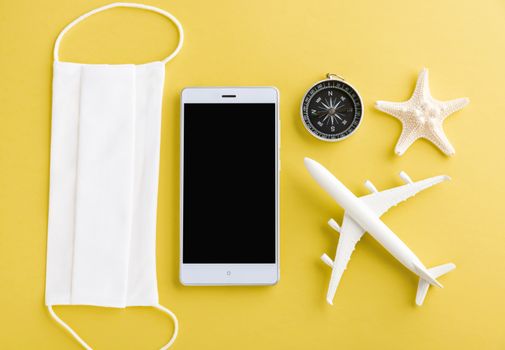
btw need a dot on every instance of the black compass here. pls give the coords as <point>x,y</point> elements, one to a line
<point>332,109</point>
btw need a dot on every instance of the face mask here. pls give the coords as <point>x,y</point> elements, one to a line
<point>105,147</point>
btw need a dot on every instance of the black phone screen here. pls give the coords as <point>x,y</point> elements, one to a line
<point>229,183</point>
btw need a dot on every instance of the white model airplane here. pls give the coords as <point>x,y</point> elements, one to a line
<point>363,215</point>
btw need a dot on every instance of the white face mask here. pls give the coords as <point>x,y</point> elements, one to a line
<point>105,147</point>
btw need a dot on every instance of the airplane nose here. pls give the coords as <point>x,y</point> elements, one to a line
<point>315,169</point>
<point>309,162</point>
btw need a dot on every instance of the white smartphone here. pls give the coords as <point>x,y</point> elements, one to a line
<point>229,207</point>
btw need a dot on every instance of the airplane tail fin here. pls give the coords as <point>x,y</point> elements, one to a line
<point>426,279</point>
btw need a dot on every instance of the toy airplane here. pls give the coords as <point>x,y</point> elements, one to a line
<point>362,214</point>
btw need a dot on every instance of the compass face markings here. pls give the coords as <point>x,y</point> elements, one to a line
<point>332,110</point>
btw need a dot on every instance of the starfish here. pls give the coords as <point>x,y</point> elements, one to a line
<point>422,116</point>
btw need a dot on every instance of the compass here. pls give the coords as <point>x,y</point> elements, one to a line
<point>332,109</point>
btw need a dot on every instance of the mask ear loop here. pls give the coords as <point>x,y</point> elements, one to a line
<point>176,325</point>
<point>67,328</point>
<point>87,347</point>
<point>123,4</point>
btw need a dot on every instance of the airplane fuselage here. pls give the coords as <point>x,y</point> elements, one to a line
<point>372,224</point>
<point>369,221</point>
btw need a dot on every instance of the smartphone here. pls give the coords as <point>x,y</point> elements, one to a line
<point>229,204</point>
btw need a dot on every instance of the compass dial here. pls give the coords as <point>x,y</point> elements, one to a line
<point>332,110</point>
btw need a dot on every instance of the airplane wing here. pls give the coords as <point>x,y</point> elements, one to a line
<point>350,234</point>
<point>380,202</point>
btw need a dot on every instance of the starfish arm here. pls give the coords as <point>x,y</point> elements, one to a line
<point>407,138</point>
<point>395,109</point>
<point>422,91</point>
<point>449,107</point>
<point>438,138</point>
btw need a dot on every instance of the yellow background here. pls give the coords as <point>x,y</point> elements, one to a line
<point>379,46</point>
